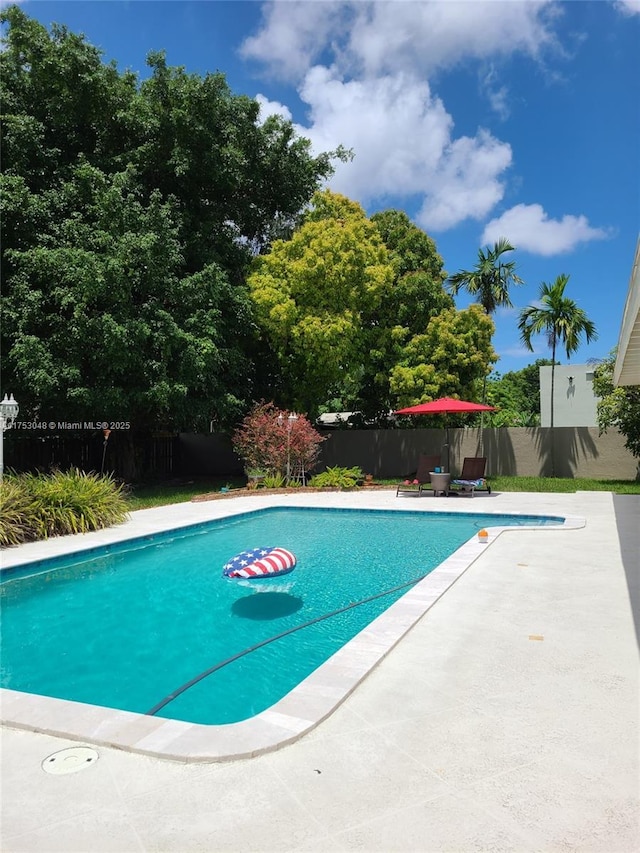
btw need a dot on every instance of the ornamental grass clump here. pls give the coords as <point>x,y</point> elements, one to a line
<point>36,506</point>
<point>18,512</point>
<point>77,502</point>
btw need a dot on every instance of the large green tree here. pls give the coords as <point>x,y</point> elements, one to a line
<point>312,294</point>
<point>131,213</point>
<point>449,359</point>
<point>562,321</point>
<point>618,407</point>
<point>238,182</point>
<point>410,300</point>
<point>106,325</point>
<point>357,314</point>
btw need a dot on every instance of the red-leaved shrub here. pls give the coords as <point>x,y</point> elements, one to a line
<point>268,441</point>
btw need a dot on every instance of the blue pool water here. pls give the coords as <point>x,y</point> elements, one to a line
<point>126,627</point>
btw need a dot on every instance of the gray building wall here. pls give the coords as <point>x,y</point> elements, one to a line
<point>627,367</point>
<point>574,400</point>
<point>511,452</point>
<point>514,451</point>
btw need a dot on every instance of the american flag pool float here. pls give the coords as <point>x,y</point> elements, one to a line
<point>260,563</point>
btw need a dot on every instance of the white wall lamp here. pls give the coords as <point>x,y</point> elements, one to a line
<point>8,414</point>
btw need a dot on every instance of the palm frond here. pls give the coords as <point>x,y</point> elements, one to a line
<point>490,279</point>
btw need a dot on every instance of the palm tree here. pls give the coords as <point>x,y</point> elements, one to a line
<point>562,321</point>
<point>489,281</point>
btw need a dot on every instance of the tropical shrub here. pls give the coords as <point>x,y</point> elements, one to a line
<point>295,484</point>
<point>268,441</point>
<point>273,481</point>
<point>618,407</point>
<point>337,478</point>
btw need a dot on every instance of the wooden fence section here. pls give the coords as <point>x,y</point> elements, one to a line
<point>156,456</point>
<point>574,451</point>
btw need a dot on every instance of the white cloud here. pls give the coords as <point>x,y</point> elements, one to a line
<point>402,139</point>
<point>293,36</point>
<point>466,184</point>
<point>373,38</point>
<point>271,108</point>
<point>498,100</point>
<point>528,227</point>
<point>496,94</point>
<point>362,69</point>
<point>628,7</point>
<point>389,36</point>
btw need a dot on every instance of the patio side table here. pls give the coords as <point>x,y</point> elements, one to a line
<point>440,483</point>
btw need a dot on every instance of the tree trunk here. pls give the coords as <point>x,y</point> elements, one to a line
<point>484,400</point>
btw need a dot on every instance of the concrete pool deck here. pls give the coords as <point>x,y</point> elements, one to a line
<point>506,719</point>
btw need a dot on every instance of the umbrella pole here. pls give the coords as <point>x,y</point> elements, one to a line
<point>447,445</point>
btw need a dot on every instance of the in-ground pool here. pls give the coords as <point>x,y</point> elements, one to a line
<point>127,626</point>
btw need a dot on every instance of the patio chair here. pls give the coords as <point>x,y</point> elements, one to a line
<point>422,478</point>
<point>472,477</point>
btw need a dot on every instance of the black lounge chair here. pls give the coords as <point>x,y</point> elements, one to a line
<point>472,477</point>
<point>422,478</point>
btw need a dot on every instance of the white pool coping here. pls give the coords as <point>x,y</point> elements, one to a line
<point>311,701</point>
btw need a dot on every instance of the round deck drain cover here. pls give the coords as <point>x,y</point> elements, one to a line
<point>69,760</point>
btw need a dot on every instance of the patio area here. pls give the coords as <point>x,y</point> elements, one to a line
<point>507,719</point>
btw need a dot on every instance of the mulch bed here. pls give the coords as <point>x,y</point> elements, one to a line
<point>303,490</point>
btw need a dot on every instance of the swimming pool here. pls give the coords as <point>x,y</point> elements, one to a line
<point>127,627</point>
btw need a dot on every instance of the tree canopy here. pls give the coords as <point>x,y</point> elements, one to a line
<point>489,281</point>
<point>618,406</point>
<point>106,325</point>
<point>357,315</point>
<point>131,214</point>
<point>168,258</point>
<point>312,293</point>
<point>411,299</point>
<point>516,395</point>
<point>449,359</point>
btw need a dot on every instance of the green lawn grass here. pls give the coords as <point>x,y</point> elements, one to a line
<point>559,484</point>
<point>562,484</point>
<point>148,495</point>
<point>162,494</point>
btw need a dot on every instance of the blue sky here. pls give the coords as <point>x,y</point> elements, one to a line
<point>479,119</point>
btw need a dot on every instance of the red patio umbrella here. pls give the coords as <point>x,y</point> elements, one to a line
<point>445,406</point>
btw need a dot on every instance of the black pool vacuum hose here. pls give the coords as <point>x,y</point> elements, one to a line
<point>211,670</point>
